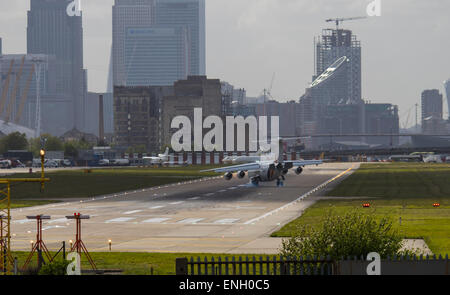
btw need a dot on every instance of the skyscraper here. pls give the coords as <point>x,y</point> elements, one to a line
<point>189,13</point>
<point>447,93</point>
<point>149,65</point>
<point>432,105</point>
<point>127,13</point>
<point>334,44</point>
<point>52,31</point>
<point>157,42</point>
<point>332,103</point>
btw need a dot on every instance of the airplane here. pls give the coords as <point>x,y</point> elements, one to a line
<point>266,169</point>
<point>159,160</point>
<point>245,159</point>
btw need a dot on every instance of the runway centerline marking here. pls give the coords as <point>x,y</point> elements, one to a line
<point>191,220</point>
<point>155,220</point>
<point>22,221</point>
<point>132,212</point>
<point>58,220</point>
<point>226,221</point>
<point>177,203</point>
<point>120,219</point>
<point>156,207</point>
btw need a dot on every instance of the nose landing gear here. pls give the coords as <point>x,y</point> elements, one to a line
<point>255,181</point>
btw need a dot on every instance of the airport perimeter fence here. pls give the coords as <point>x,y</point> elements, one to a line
<point>397,265</point>
<point>255,266</point>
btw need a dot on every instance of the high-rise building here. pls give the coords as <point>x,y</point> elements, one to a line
<point>194,92</point>
<point>332,103</point>
<point>127,13</point>
<point>334,44</point>
<point>447,93</point>
<point>147,64</point>
<point>137,116</point>
<point>189,13</point>
<point>52,31</point>
<point>327,107</point>
<point>157,42</point>
<point>432,106</point>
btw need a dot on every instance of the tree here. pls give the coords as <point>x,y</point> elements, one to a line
<point>52,143</point>
<point>351,234</point>
<point>139,149</point>
<point>13,141</point>
<point>70,150</point>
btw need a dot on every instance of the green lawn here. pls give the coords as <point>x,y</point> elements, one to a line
<point>79,184</point>
<point>134,263</point>
<point>27,203</point>
<point>406,190</point>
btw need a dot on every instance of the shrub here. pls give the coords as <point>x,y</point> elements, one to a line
<point>55,268</point>
<point>351,234</point>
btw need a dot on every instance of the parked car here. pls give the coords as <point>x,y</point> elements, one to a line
<point>17,164</point>
<point>51,164</point>
<point>104,162</point>
<point>5,164</point>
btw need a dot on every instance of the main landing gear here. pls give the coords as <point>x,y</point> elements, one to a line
<point>280,181</point>
<point>255,181</point>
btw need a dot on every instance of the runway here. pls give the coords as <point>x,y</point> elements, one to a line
<point>203,216</point>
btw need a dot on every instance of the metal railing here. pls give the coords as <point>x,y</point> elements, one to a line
<point>276,265</point>
<point>255,266</point>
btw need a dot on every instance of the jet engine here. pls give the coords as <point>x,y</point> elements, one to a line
<point>228,176</point>
<point>241,174</point>
<point>299,170</point>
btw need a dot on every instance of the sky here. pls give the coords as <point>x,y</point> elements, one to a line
<point>404,51</point>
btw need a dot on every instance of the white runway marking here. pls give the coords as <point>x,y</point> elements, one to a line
<point>132,212</point>
<point>226,220</point>
<point>299,199</point>
<point>209,194</point>
<point>194,198</point>
<point>22,221</point>
<point>155,220</point>
<point>156,207</point>
<point>58,220</point>
<point>53,226</point>
<point>120,219</point>
<point>191,220</point>
<point>177,203</point>
<point>231,188</point>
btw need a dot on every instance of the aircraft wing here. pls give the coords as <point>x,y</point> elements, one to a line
<point>236,168</point>
<point>298,163</point>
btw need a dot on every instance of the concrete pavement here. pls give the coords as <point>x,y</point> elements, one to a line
<point>203,216</point>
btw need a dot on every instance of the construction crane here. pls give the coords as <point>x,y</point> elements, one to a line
<point>269,91</point>
<point>12,100</point>
<point>339,20</point>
